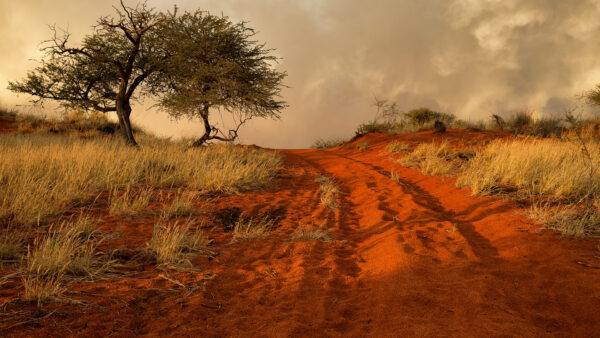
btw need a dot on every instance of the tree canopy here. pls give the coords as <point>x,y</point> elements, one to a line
<point>217,65</point>
<point>188,62</point>
<point>106,70</point>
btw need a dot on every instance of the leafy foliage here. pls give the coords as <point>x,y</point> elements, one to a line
<point>216,64</point>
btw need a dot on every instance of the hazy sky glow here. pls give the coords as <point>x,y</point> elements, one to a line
<point>468,57</point>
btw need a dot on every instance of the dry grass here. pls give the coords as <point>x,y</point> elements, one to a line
<point>84,226</point>
<point>129,203</point>
<point>435,159</point>
<point>62,252</point>
<point>173,244</point>
<point>395,176</point>
<point>329,192</point>
<point>41,175</point>
<point>569,220</point>
<point>320,233</point>
<point>252,228</point>
<point>396,147</point>
<point>362,146</point>
<point>11,244</point>
<point>324,144</point>
<point>539,167</point>
<point>181,206</point>
<point>40,290</point>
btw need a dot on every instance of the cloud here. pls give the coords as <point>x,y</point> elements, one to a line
<point>467,57</point>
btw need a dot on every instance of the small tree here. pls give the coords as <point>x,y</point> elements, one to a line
<point>103,73</point>
<point>216,64</point>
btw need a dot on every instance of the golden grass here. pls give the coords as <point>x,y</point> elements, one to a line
<point>129,203</point>
<point>433,159</point>
<point>41,175</point>
<point>11,244</point>
<point>173,244</point>
<point>62,252</point>
<point>84,227</point>
<point>40,290</point>
<point>181,206</point>
<point>396,147</point>
<point>569,220</point>
<point>306,232</point>
<point>546,166</point>
<point>329,192</point>
<point>252,228</point>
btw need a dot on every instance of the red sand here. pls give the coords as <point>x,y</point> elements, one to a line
<point>420,258</point>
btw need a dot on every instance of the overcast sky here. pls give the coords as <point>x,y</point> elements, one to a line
<point>468,57</point>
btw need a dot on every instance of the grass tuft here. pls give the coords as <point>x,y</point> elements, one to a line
<point>173,244</point>
<point>320,233</point>
<point>329,192</point>
<point>251,228</point>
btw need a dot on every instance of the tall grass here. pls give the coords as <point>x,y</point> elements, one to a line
<point>436,159</point>
<point>40,175</point>
<point>538,166</point>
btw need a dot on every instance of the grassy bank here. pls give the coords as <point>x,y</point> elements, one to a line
<point>42,174</point>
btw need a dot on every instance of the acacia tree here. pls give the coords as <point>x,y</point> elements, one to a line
<point>216,64</point>
<point>104,72</point>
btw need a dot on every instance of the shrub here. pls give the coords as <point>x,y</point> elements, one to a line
<point>376,127</point>
<point>324,144</point>
<point>426,116</point>
<point>519,122</point>
<point>547,127</point>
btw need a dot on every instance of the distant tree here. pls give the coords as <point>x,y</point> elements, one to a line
<point>106,70</point>
<point>216,65</point>
<point>593,96</point>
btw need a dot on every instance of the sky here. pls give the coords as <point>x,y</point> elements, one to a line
<point>471,58</point>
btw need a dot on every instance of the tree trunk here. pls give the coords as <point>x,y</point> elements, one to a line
<point>123,112</point>
<point>207,129</point>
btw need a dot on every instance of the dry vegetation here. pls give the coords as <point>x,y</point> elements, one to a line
<point>329,192</point>
<point>41,175</point>
<point>174,244</point>
<point>306,232</point>
<point>436,159</point>
<point>252,228</point>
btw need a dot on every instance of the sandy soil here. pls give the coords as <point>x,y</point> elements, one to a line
<point>420,258</point>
